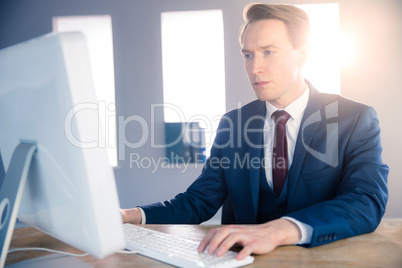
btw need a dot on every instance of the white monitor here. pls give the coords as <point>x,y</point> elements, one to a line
<point>47,96</point>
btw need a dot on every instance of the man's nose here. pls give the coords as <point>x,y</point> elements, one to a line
<point>257,66</point>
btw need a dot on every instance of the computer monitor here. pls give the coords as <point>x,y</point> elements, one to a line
<point>47,96</point>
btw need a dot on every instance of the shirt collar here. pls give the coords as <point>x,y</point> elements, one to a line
<point>295,109</point>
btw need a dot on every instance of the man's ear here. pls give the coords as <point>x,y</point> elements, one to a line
<point>304,53</point>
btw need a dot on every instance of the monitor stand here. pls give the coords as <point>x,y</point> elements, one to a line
<point>12,186</point>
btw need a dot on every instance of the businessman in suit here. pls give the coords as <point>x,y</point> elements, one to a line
<point>302,166</point>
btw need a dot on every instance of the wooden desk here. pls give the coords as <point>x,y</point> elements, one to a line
<point>383,248</point>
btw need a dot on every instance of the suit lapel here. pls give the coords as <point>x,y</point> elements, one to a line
<point>303,139</point>
<point>254,140</point>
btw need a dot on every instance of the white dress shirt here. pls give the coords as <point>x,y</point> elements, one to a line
<point>296,111</point>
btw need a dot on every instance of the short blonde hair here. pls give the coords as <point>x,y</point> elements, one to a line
<point>296,20</point>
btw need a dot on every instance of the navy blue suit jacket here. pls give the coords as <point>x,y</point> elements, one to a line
<point>337,182</point>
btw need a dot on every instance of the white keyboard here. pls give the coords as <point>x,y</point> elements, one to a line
<point>175,250</point>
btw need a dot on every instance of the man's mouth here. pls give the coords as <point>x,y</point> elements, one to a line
<point>261,83</point>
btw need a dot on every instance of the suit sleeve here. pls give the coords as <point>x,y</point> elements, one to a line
<point>361,197</point>
<point>201,200</point>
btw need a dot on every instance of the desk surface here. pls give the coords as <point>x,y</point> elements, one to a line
<point>382,248</point>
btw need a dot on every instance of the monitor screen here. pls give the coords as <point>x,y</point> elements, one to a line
<point>47,96</point>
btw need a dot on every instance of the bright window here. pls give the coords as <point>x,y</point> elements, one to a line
<point>194,69</point>
<point>98,32</point>
<point>326,53</point>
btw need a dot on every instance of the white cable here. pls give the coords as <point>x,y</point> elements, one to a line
<point>49,250</point>
<point>127,252</point>
<point>64,252</point>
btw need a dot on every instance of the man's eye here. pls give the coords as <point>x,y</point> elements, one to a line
<point>248,56</point>
<point>268,52</point>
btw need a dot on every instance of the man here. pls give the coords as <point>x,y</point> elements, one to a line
<point>322,181</point>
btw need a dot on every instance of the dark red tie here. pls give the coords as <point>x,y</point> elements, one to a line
<point>280,151</point>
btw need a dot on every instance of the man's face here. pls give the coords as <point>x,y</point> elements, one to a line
<point>272,63</point>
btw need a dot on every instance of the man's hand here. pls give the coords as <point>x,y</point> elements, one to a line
<point>132,215</point>
<point>258,239</point>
